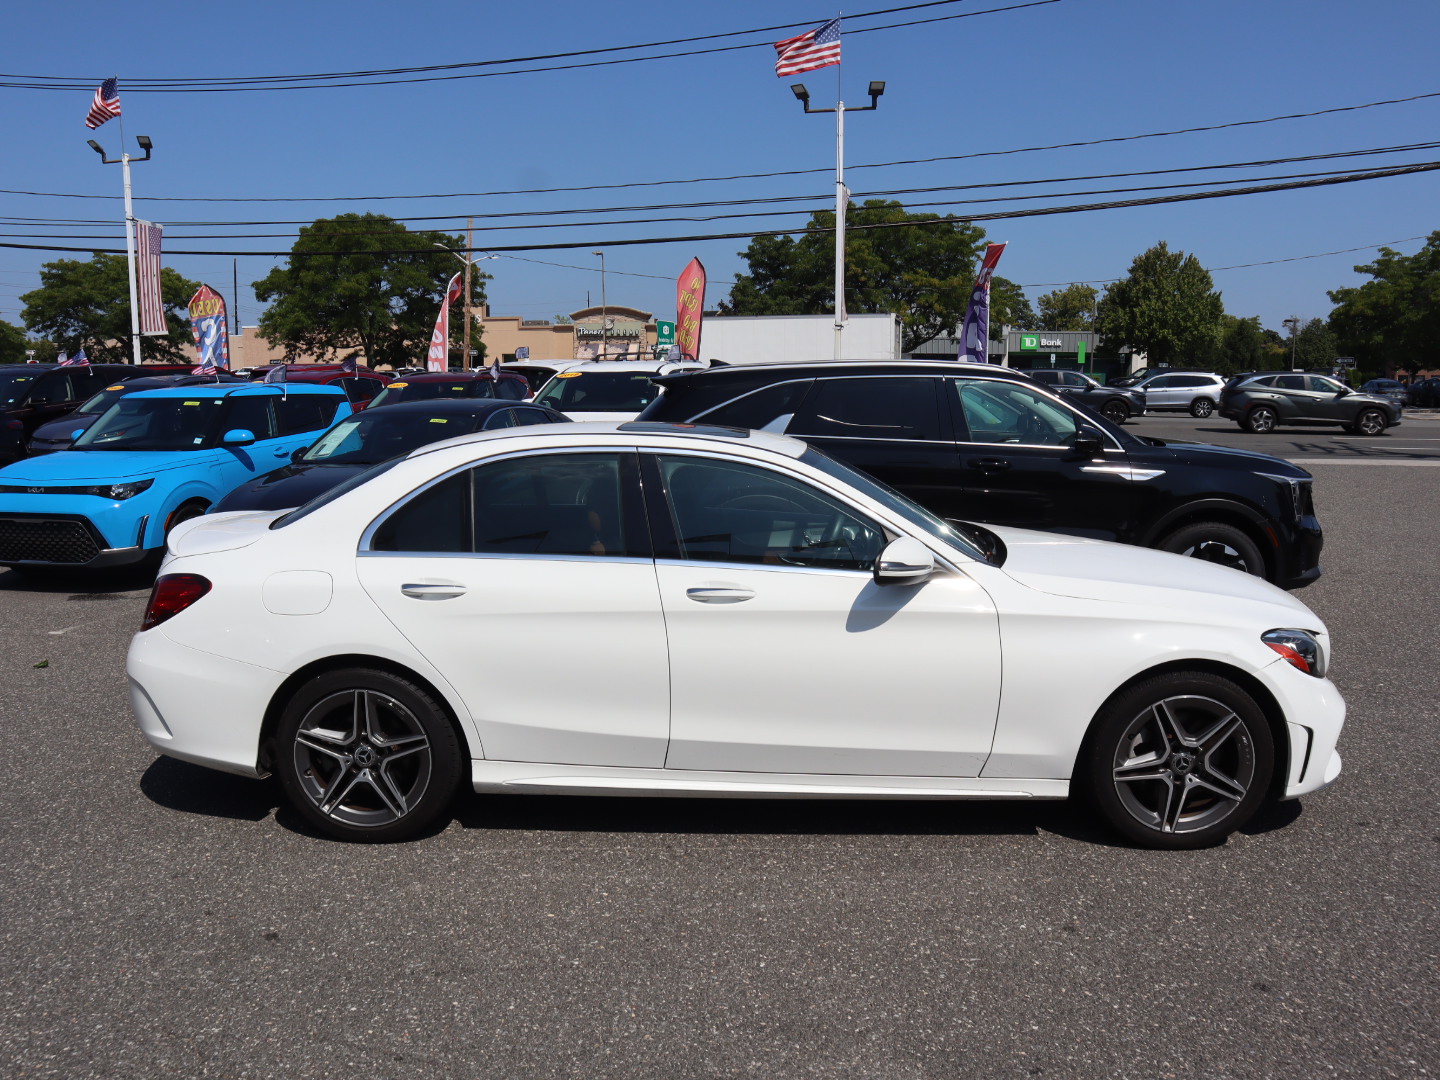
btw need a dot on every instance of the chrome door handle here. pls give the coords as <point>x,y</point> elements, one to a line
<point>431,591</point>
<point>990,463</point>
<point>714,595</point>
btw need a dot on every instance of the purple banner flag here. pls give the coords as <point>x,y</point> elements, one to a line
<point>975,332</point>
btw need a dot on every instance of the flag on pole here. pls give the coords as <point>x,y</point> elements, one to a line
<point>439,356</point>
<point>62,360</point>
<point>975,333</point>
<point>690,308</point>
<point>78,360</point>
<point>207,323</point>
<point>813,49</point>
<point>348,365</point>
<point>105,105</point>
<point>147,277</point>
<point>275,374</point>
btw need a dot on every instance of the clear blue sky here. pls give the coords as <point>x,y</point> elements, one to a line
<point>1066,71</point>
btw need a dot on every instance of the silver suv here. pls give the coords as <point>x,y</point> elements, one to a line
<point>1195,391</point>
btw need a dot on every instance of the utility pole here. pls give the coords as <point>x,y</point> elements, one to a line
<point>1294,325</point>
<point>469,263</point>
<point>604,312</point>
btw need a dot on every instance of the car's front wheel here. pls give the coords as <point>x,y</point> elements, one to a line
<point>1261,420</point>
<point>366,755</point>
<point>1215,541</point>
<point>1201,408</point>
<point>1115,411</point>
<point>1179,761</point>
<point>1370,422</point>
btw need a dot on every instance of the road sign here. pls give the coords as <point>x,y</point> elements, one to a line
<point>664,333</point>
<point>1345,361</point>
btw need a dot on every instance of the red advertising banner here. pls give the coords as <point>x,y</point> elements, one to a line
<point>689,309</point>
<point>439,356</point>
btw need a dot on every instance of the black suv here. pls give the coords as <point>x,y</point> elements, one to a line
<point>34,394</point>
<point>974,442</point>
<point>1260,400</point>
<point>1116,405</point>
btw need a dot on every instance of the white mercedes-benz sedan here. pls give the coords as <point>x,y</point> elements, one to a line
<point>725,614</point>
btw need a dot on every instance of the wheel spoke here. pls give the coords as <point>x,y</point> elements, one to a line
<point>1151,768</point>
<point>1219,733</point>
<point>1174,807</point>
<point>1213,780</point>
<point>341,786</point>
<point>322,745</point>
<point>366,719</point>
<point>384,787</point>
<point>1169,724</point>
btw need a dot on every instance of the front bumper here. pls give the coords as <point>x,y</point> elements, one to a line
<point>1298,554</point>
<point>64,540</point>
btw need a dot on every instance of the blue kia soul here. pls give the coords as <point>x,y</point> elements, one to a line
<point>152,460</point>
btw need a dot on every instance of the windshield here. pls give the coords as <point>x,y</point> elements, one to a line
<point>101,401</point>
<point>327,497</point>
<point>599,391</point>
<point>400,390</point>
<point>892,500</point>
<point>14,385</point>
<point>372,436</point>
<point>136,422</point>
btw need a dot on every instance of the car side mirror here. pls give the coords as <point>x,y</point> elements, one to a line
<point>298,453</point>
<point>905,561</point>
<point>1088,442</point>
<point>38,399</point>
<point>1344,390</point>
<point>238,437</point>
<point>76,433</point>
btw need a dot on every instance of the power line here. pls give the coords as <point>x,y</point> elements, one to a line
<point>1001,215</point>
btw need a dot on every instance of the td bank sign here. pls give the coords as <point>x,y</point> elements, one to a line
<point>1039,341</point>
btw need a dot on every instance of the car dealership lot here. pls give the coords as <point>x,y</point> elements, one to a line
<point>159,919</point>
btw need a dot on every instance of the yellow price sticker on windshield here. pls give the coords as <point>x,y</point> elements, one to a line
<point>192,403</point>
<point>117,386</point>
<point>397,385</point>
<point>438,420</point>
<point>569,374</point>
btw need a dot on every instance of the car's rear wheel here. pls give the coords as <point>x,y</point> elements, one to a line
<point>1115,411</point>
<point>1217,542</point>
<point>1370,422</point>
<point>1260,420</point>
<point>1201,407</point>
<point>1179,761</point>
<point>366,755</point>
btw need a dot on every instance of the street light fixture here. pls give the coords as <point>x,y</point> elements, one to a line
<point>1294,325</point>
<point>124,162</point>
<point>842,195</point>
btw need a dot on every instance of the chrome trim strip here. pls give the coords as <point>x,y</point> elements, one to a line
<point>502,556</point>
<point>1124,471</point>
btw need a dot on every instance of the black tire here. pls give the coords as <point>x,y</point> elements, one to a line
<point>1370,422</point>
<point>1201,408</point>
<point>184,512</point>
<point>1178,761</point>
<point>1115,411</point>
<point>367,756</point>
<point>1217,542</point>
<point>1261,420</point>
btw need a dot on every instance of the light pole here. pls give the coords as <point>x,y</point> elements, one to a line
<point>469,260</point>
<point>604,311</point>
<point>1294,325</point>
<point>124,162</point>
<point>842,196</point>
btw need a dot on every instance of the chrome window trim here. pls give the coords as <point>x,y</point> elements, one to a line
<point>368,535</point>
<point>769,568</point>
<point>505,556</point>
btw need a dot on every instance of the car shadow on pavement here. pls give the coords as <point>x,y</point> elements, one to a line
<point>93,585</point>
<point>194,789</point>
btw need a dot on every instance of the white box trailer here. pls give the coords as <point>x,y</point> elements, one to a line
<point>788,339</point>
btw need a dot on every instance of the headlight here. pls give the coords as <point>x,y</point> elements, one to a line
<point>1300,648</point>
<point>127,490</point>
<point>1297,488</point>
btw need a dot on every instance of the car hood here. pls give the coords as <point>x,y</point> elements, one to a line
<point>287,487</point>
<point>1225,457</point>
<point>63,430</point>
<point>114,466</point>
<point>1098,570</point>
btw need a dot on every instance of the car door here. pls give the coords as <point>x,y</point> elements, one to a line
<point>893,427</point>
<point>1328,400</point>
<point>786,657</point>
<point>1292,399</point>
<point>235,465</point>
<point>52,396</point>
<point>1015,451</point>
<point>1162,392</point>
<point>534,555</point>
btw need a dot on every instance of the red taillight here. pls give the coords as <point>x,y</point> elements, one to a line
<point>172,594</point>
<point>1292,656</point>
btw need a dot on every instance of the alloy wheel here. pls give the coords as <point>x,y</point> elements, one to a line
<point>1200,408</point>
<point>1370,422</point>
<point>1262,421</point>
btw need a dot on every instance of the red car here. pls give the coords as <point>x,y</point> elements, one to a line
<point>455,384</point>
<point>360,385</point>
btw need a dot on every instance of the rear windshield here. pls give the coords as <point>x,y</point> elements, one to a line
<point>402,390</point>
<point>599,391</point>
<point>14,385</point>
<point>379,434</point>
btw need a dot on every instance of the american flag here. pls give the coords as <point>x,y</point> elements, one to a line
<point>206,367</point>
<point>105,105</point>
<point>814,49</point>
<point>147,277</point>
<point>78,360</point>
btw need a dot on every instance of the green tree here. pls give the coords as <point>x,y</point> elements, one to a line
<point>1009,306</point>
<point>1394,320</point>
<point>1242,346</point>
<point>1315,345</point>
<point>1166,307</point>
<point>1070,308</point>
<point>13,344</point>
<point>919,266</point>
<point>87,304</point>
<point>361,282</point>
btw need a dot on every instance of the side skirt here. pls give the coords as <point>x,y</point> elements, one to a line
<point>520,777</point>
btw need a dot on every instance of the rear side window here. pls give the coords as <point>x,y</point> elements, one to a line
<point>512,389</point>
<point>358,389</point>
<point>759,407</point>
<point>1290,382</point>
<point>252,413</point>
<point>299,413</point>
<point>879,408</point>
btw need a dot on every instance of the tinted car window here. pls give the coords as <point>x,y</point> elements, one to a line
<point>760,407</point>
<point>1290,382</point>
<point>1047,378</point>
<point>253,414</point>
<point>438,519</point>
<point>723,511</point>
<point>526,417</point>
<point>53,387</point>
<point>14,386</point>
<point>1003,412</point>
<point>1193,380</point>
<point>1322,385</point>
<point>297,413</point>
<point>358,389</point>
<point>140,423</point>
<point>598,391</point>
<point>884,408</point>
<point>1268,380</point>
<point>500,418</point>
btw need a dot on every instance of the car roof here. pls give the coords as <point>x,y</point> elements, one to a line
<point>642,430</point>
<point>453,406</point>
<point>451,376</point>
<point>741,372</point>
<point>649,367</point>
<point>249,389</point>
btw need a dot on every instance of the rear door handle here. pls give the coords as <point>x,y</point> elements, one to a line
<point>719,594</point>
<point>432,591</point>
<point>990,463</point>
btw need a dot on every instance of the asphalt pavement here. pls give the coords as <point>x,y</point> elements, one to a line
<point>160,919</point>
